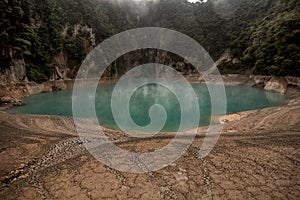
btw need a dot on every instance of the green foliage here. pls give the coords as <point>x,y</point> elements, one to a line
<point>75,47</point>
<point>39,74</point>
<point>23,42</point>
<point>262,34</point>
<point>227,67</point>
<point>34,75</point>
<point>274,45</point>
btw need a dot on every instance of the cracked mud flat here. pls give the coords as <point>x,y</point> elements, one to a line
<point>256,157</point>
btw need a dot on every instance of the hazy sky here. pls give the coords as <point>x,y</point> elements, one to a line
<point>193,1</point>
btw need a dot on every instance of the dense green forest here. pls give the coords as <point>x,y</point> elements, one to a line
<point>262,35</point>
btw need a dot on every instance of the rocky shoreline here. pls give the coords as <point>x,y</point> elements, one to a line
<point>12,94</point>
<point>257,156</point>
<point>43,155</point>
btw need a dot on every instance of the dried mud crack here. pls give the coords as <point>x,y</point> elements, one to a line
<point>256,157</point>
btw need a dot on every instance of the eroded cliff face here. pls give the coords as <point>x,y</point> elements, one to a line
<point>146,56</point>
<point>65,66</point>
<point>14,80</point>
<point>16,72</point>
<point>14,83</point>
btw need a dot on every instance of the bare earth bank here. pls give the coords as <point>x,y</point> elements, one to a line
<point>256,157</point>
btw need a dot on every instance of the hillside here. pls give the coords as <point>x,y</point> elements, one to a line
<point>42,40</point>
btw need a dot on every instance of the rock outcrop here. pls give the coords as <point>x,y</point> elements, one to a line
<point>34,88</point>
<point>260,80</point>
<point>15,73</point>
<point>293,81</point>
<point>276,84</point>
<point>12,94</point>
<point>10,100</point>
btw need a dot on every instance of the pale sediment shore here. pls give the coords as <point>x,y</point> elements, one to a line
<point>257,156</point>
<point>11,94</point>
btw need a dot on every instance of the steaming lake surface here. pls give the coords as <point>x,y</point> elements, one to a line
<point>239,98</point>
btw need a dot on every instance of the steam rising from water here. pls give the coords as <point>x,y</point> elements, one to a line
<point>141,7</point>
<point>138,7</point>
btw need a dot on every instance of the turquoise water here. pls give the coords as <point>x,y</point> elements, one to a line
<point>239,99</point>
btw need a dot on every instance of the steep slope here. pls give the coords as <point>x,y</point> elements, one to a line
<point>273,47</point>
<point>42,40</point>
<point>54,34</point>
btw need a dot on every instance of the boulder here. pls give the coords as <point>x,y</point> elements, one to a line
<point>10,100</point>
<point>5,100</point>
<point>250,82</point>
<point>294,81</point>
<point>35,88</point>
<point>276,84</point>
<point>261,80</point>
<point>18,102</point>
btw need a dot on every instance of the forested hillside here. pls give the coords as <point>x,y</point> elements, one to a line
<point>262,36</point>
